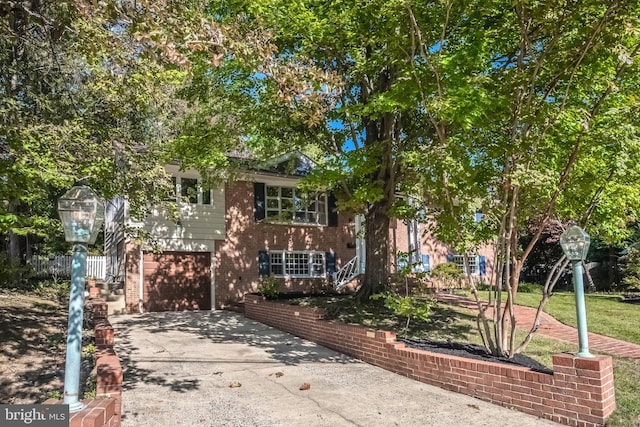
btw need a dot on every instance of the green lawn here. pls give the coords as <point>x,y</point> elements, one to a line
<point>606,315</point>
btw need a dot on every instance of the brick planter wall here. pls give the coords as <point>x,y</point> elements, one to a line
<point>580,392</point>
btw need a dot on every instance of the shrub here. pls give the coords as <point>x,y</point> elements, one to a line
<point>269,287</point>
<point>448,275</point>
<point>529,288</point>
<point>631,270</point>
<point>409,306</point>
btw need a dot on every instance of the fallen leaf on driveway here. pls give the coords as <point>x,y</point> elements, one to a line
<point>305,386</point>
<point>279,374</point>
<point>474,406</point>
<point>217,373</point>
<point>235,384</point>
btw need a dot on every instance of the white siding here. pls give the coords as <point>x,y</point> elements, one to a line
<point>198,222</point>
<point>198,227</point>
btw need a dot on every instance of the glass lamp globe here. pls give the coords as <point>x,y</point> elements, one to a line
<point>575,243</point>
<point>82,214</point>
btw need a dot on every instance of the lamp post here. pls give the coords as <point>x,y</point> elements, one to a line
<point>575,244</point>
<point>82,214</point>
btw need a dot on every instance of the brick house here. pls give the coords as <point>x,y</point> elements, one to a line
<point>226,239</point>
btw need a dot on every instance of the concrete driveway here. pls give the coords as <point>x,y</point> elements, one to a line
<point>178,368</point>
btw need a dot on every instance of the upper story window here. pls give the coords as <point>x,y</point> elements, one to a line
<point>289,204</point>
<point>192,191</point>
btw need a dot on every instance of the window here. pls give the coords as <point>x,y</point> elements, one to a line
<point>288,204</point>
<point>206,195</point>
<point>297,264</point>
<point>472,260</point>
<point>191,190</point>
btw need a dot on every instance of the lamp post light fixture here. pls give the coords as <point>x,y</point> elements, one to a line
<point>82,215</point>
<point>575,244</point>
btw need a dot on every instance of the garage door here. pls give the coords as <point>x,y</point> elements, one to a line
<point>177,281</point>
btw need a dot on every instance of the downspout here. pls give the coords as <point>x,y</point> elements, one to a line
<point>213,277</point>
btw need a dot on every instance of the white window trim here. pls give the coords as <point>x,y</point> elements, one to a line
<point>310,254</point>
<point>178,191</point>
<point>293,221</point>
<point>459,260</point>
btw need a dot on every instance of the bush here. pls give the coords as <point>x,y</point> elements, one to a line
<point>529,288</point>
<point>409,306</point>
<point>269,288</point>
<point>631,270</point>
<point>447,275</point>
<point>13,275</point>
<point>483,286</point>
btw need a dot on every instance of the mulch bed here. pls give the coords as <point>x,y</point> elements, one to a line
<point>472,351</point>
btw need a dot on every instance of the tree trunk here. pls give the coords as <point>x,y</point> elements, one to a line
<point>13,249</point>
<point>377,250</point>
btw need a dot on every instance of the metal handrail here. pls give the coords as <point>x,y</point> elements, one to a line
<point>347,273</point>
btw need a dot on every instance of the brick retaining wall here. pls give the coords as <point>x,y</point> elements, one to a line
<point>580,392</point>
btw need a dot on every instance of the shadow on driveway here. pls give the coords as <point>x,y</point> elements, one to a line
<point>222,369</point>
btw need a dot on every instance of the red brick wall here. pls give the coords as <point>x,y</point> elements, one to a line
<point>236,269</point>
<point>132,278</point>
<point>580,392</point>
<point>437,250</point>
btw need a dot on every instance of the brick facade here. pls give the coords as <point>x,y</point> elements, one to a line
<point>236,268</point>
<point>437,251</point>
<point>132,278</point>
<point>580,392</point>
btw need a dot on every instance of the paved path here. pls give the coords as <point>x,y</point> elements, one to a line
<point>178,368</point>
<point>551,327</point>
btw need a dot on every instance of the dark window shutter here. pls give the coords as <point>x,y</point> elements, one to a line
<point>333,215</point>
<point>264,263</point>
<point>259,204</point>
<point>425,263</point>
<point>449,258</point>
<point>482,265</point>
<point>330,260</point>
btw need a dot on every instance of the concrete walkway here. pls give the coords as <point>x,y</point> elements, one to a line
<point>551,327</point>
<point>179,369</point>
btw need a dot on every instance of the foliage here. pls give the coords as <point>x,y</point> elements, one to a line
<point>529,288</point>
<point>449,272</point>
<point>406,306</point>
<point>532,109</point>
<point>269,287</point>
<point>88,91</point>
<point>631,267</point>
<point>89,350</point>
<point>13,275</point>
<point>632,270</point>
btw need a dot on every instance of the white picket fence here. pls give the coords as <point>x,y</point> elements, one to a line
<point>60,266</point>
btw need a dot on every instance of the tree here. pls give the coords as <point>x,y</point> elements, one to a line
<point>525,112</point>
<point>329,82</point>
<point>87,91</point>
<point>521,110</point>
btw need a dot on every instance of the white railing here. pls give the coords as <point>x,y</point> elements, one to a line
<point>60,266</point>
<point>347,273</point>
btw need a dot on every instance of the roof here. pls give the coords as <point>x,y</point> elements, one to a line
<point>293,163</point>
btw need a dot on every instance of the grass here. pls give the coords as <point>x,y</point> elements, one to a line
<point>452,323</point>
<point>606,315</point>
